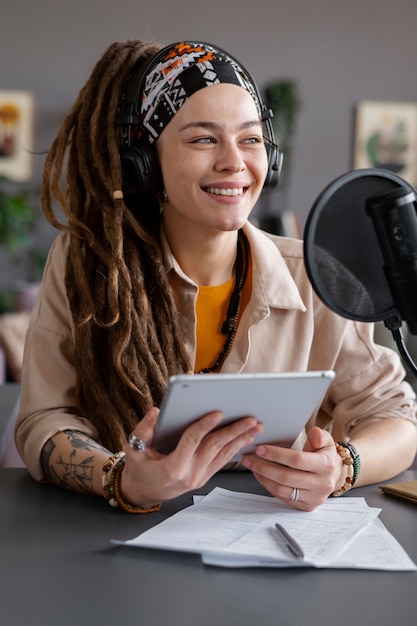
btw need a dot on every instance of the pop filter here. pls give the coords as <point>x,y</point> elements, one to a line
<point>354,239</point>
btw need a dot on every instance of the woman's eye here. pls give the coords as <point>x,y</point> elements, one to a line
<point>203,140</point>
<point>254,140</point>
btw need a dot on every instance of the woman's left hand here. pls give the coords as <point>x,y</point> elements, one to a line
<point>303,478</point>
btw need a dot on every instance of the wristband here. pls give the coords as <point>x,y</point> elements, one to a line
<point>351,460</point>
<point>111,480</point>
<point>355,458</point>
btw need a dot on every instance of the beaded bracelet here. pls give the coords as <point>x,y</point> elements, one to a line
<point>108,470</point>
<point>111,480</point>
<point>355,458</point>
<point>351,460</point>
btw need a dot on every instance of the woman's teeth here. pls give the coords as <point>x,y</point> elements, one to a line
<point>236,191</point>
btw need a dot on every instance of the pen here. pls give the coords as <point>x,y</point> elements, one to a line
<point>291,543</point>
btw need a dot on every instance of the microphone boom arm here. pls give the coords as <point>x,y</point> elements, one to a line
<point>394,325</point>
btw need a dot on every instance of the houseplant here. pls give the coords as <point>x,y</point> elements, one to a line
<point>19,210</point>
<point>16,216</point>
<point>283,98</point>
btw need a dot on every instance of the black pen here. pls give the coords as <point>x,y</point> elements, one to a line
<point>290,542</point>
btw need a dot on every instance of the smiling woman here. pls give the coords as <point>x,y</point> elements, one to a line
<point>159,272</point>
<point>214,146</point>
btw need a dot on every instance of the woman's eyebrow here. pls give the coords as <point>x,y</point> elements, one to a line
<point>215,126</point>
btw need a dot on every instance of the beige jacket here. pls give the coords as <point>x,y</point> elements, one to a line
<point>285,327</point>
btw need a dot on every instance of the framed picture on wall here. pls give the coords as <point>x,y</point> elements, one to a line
<point>386,137</point>
<point>16,134</point>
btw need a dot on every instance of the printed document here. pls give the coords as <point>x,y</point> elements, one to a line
<point>234,529</point>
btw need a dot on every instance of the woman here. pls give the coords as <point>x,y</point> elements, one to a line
<point>165,158</point>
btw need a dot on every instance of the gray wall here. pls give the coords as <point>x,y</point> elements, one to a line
<point>339,52</point>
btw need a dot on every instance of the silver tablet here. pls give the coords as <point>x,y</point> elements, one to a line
<point>283,402</point>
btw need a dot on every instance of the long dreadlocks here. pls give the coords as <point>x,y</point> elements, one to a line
<point>127,337</point>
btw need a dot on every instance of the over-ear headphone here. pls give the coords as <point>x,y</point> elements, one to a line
<point>140,164</point>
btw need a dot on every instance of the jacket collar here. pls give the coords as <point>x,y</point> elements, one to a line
<point>271,270</point>
<point>271,277</point>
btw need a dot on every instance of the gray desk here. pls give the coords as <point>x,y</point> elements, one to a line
<point>57,567</point>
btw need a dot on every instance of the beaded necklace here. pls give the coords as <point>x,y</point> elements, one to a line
<point>229,326</point>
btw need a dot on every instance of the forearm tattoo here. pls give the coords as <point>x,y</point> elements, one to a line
<point>76,474</point>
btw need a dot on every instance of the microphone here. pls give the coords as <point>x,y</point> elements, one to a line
<point>395,221</point>
<point>360,250</point>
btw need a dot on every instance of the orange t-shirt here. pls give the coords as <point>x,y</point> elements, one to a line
<point>211,310</point>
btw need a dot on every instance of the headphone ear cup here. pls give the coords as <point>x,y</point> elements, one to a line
<point>275,158</point>
<point>141,171</point>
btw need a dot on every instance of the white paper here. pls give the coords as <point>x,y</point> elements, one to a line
<point>234,529</point>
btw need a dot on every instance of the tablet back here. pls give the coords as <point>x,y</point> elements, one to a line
<point>283,402</point>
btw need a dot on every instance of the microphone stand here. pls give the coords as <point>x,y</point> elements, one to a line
<point>394,325</point>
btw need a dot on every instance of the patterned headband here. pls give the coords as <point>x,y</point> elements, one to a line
<point>185,68</point>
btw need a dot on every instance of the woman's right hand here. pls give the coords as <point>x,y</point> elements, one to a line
<point>150,477</point>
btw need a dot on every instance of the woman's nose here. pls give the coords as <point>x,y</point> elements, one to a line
<point>230,158</point>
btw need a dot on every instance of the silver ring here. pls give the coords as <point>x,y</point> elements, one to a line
<point>137,444</point>
<point>294,495</point>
